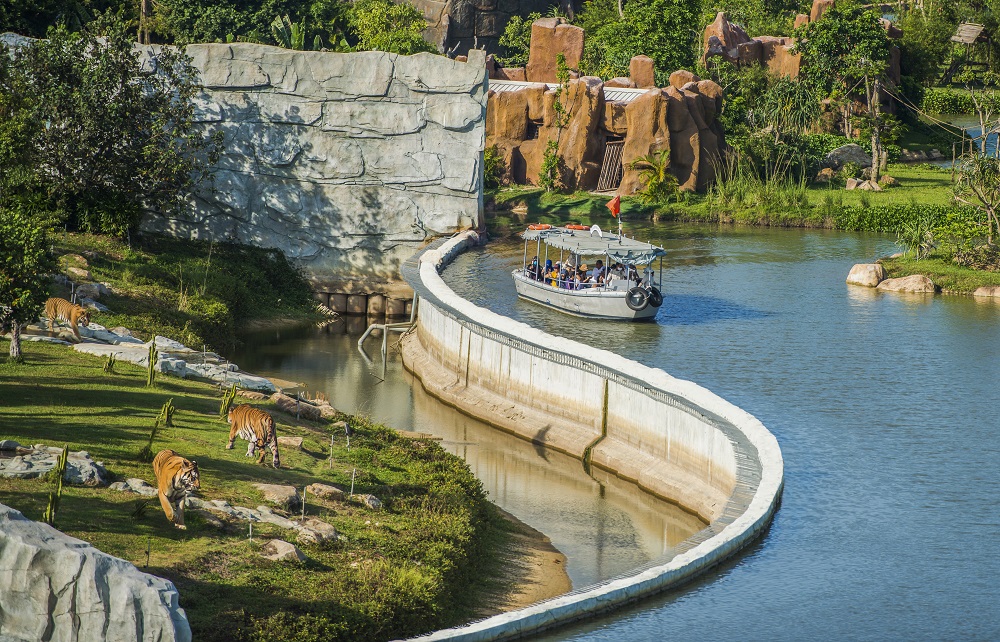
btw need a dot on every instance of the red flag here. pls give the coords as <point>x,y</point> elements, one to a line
<point>615,205</point>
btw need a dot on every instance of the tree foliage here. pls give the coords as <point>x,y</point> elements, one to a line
<point>979,186</point>
<point>788,106</point>
<point>661,29</point>
<point>112,139</point>
<point>516,40</point>
<point>926,40</point>
<point>383,25</point>
<point>25,261</point>
<point>659,185</point>
<point>838,49</point>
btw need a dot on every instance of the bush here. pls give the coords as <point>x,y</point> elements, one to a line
<point>891,219</point>
<point>981,257</point>
<point>948,101</point>
<point>494,169</point>
<point>850,170</point>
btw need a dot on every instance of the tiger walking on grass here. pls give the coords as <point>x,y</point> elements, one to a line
<point>62,310</point>
<point>175,478</point>
<point>257,427</point>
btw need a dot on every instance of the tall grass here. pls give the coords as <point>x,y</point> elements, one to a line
<point>769,194</point>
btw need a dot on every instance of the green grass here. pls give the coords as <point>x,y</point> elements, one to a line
<point>791,205</point>
<point>945,273</point>
<point>193,292</point>
<point>425,561</point>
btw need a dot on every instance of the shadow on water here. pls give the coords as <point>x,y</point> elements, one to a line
<point>695,309</point>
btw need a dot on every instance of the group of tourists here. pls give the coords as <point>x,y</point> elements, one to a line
<point>570,276</point>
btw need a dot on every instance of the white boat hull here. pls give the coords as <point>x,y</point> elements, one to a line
<point>593,303</point>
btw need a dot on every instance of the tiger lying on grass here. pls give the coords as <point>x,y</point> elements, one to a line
<point>257,427</point>
<point>62,310</point>
<point>175,477</point>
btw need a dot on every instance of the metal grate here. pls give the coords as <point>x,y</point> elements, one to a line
<point>611,94</point>
<point>611,169</point>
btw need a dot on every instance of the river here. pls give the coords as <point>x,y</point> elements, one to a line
<point>884,406</point>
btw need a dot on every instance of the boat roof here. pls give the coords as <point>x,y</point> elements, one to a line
<point>595,243</point>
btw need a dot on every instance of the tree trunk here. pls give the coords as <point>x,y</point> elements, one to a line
<point>15,341</point>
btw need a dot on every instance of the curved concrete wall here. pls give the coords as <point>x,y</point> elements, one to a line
<point>672,437</point>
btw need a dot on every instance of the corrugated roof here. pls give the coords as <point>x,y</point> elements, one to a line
<point>611,94</point>
<point>969,33</point>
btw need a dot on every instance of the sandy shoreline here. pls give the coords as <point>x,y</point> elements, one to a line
<point>533,570</point>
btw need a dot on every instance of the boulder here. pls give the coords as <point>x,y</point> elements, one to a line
<point>801,20</point>
<point>140,486</point>
<point>869,186</point>
<point>825,175</point>
<point>682,77</point>
<point>619,82</point>
<point>512,73</point>
<point>56,587</point>
<point>293,406</point>
<point>549,37</point>
<point>278,550</point>
<point>315,531</point>
<point>866,274</point>
<point>819,7</point>
<point>852,184</point>
<point>987,291</point>
<point>92,290</point>
<point>915,283</point>
<point>371,501</point>
<point>80,274</point>
<point>325,491</point>
<point>91,304</point>
<point>287,441</point>
<point>267,515</point>
<point>888,181</point>
<point>850,153</point>
<point>722,38</point>
<point>38,461</point>
<point>642,71</point>
<point>285,496</point>
<point>9,445</point>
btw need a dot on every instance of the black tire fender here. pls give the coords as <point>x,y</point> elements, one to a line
<point>636,299</point>
<point>655,298</point>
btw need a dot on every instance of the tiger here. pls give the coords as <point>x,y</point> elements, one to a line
<point>63,310</point>
<point>257,427</point>
<point>175,477</point>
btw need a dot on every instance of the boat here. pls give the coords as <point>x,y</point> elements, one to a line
<point>618,283</point>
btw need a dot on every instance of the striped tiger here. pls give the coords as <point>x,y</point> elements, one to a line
<point>175,477</point>
<point>62,310</point>
<point>257,427</point>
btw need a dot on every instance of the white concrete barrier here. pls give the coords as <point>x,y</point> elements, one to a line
<point>671,437</point>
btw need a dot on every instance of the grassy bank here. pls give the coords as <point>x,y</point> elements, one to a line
<point>945,273</point>
<point>425,560</point>
<point>817,205</point>
<point>197,293</point>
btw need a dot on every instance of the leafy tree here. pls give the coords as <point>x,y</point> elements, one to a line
<point>382,25</point>
<point>743,89</point>
<point>25,261</point>
<point>116,140</point>
<point>757,17</point>
<point>516,40</point>
<point>926,41</point>
<point>660,29</point>
<point>17,130</point>
<point>979,186</point>
<point>837,50</point>
<point>788,106</point>
<point>659,183</point>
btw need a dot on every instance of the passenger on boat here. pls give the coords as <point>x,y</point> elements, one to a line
<point>534,270</point>
<point>582,280</point>
<point>553,276</point>
<point>600,273</point>
<point>618,271</point>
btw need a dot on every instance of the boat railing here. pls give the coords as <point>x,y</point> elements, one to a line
<point>571,284</point>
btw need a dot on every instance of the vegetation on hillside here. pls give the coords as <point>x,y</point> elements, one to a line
<point>427,559</point>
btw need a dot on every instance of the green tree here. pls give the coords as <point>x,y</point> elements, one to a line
<point>382,25</point>
<point>17,130</point>
<point>115,139</point>
<point>926,41</point>
<point>788,106</point>
<point>837,50</point>
<point>757,17</point>
<point>516,40</point>
<point>25,261</point>
<point>979,186</point>
<point>660,29</point>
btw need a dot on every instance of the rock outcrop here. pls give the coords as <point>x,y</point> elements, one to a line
<point>850,153</point>
<point>915,283</point>
<point>730,42</point>
<point>56,587</point>
<point>549,38</point>
<point>866,274</point>
<point>345,162</point>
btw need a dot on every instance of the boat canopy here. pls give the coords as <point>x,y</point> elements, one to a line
<point>587,243</point>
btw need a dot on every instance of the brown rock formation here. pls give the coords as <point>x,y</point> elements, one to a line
<point>620,82</point>
<point>819,8</point>
<point>729,42</point>
<point>682,77</point>
<point>801,19</point>
<point>550,37</point>
<point>727,37</point>
<point>777,55</point>
<point>648,133</point>
<point>642,71</point>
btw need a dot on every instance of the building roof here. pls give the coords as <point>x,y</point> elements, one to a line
<point>587,243</point>
<point>969,33</point>
<point>611,94</point>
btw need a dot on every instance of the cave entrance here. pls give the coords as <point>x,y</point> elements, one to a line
<point>611,168</point>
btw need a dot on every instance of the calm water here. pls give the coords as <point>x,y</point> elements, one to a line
<point>885,407</point>
<point>601,524</point>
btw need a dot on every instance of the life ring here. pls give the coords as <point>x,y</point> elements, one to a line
<point>655,298</point>
<point>539,226</point>
<point>574,226</point>
<point>636,299</point>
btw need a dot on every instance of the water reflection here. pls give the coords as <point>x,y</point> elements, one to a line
<point>604,526</point>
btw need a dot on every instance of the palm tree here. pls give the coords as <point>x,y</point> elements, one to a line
<point>654,172</point>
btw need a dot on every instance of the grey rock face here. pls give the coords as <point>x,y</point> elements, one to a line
<point>345,162</point>
<point>314,531</point>
<point>325,491</point>
<point>281,551</point>
<point>284,496</point>
<point>80,468</point>
<point>851,153</point>
<point>55,587</point>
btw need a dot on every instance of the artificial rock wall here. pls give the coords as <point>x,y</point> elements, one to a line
<point>54,587</point>
<point>345,162</point>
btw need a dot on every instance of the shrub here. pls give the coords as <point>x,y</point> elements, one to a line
<point>850,170</point>
<point>494,169</point>
<point>981,257</point>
